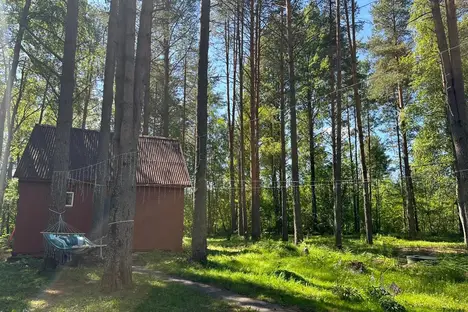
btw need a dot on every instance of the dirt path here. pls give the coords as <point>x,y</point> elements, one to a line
<point>218,293</point>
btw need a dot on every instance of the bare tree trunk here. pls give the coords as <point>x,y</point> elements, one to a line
<point>254,166</point>
<point>402,181</point>
<point>274,191</point>
<point>283,185</point>
<point>351,31</point>
<point>331,51</point>
<point>410,200</point>
<point>357,221</point>
<point>184,105</point>
<point>118,264</point>
<point>65,111</point>
<point>292,111</point>
<point>457,112</point>
<point>5,105</point>
<point>43,103</point>
<point>142,62</point>
<point>11,131</point>
<point>146,104</point>
<point>100,192</point>
<point>88,96</point>
<point>351,161</point>
<point>243,199</point>
<point>234,225</point>
<point>311,117</point>
<point>199,244</point>
<point>337,152</point>
<point>166,54</point>
<point>227,42</point>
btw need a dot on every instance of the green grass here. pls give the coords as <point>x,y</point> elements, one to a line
<point>324,280</point>
<point>23,288</point>
<point>78,290</point>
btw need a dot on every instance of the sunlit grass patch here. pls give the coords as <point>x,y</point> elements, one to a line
<point>332,279</point>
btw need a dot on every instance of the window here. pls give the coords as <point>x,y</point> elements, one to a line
<point>69,199</point>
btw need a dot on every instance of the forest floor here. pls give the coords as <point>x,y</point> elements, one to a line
<point>358,278</point>
<point>22,288</point>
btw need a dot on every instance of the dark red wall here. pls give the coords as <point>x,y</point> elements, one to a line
<point>158,217</point>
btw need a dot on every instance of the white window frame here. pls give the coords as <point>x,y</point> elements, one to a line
<point>72,199</point>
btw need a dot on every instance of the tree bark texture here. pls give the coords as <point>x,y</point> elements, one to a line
<point>65,112</point>
<point>5,104</point>
<point>338,122</point>
<point>457,112</point>
<point>118,265</point>
<point>199,243</point>
<point>100,192</point>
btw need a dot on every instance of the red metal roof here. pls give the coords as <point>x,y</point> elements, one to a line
<point>160,160</point>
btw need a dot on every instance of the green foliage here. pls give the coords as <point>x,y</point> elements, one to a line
<point>389,304</point>
<point>378,292</point>
<point>347,293</point>
<point>290,276</point>
<point>249,268</point>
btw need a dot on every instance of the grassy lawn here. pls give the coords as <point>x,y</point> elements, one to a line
<point>22,288</point>
<point>359,278</point>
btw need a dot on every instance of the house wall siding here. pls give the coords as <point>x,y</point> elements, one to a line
<point>158,216</point>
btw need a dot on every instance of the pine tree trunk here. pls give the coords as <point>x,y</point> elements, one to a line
<point>5,104</point>
<point>146,104</point>
<point>118,265</point>
<point>184,105</point>
<point>87,97</point>
<point>65,111</point>
<point>100,192</point>
<point>232,194</point>
<point>43,103</point>
<point>242,199</point>
<point>332,95</point>
<point>166,55</point>
<point>254,166</point>
<point>351,161</point>
<point>292,111</point>
<point>283,185</point>
<point>234,225</point>
<point>410,200</point>
<point>357,221</point>
<point>351,42</point>
<point>199,244</point>
<point>458,116</point>
<point>311,117</point>
<point>337,152</point>
<point>11,131</point>
<point>142,62</point>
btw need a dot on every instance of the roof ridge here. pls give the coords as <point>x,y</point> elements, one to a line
<point>156,137</point>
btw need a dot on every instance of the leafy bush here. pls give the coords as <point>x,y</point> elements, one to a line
<point>378,292</point>
<point>389,304</point>
<point>347,293</point>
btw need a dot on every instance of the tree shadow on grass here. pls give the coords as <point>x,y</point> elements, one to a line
<point>354,245</point>
<point>283,297</point>
<point>20,281</point>
<point>226,252</point>
<point>168,296</point>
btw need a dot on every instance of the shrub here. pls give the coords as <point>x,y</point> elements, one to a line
<point>378,292</point>
<point>347,293</point>
<point>389,304</point>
